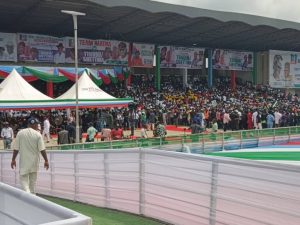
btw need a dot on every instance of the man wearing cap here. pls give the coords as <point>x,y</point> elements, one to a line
<point>29,142</point>
<point>7,134</point>
<point>59,56</point>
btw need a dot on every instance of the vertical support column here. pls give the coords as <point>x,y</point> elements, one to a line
<point>157,69</point>
<point>254,71</point>
<point>233,79</point>
<point>52,172</point>
<point>106,180</point>
<point>210,69</point>
<point>184,75</point>
<point>141,182</point>
<point>50,89</point>
<point>213,193</point>
<point>223,141</point>
<point>76,176</point>
<point>1,167</point>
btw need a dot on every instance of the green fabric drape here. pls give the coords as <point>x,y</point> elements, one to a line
<point>45,76</point>
<point>97,80</point>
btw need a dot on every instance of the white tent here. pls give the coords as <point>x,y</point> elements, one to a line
<point>15,88</point>
<point>18,94</point>
<point>87,90</point>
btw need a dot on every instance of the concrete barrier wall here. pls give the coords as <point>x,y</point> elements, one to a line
<point>174,187</point>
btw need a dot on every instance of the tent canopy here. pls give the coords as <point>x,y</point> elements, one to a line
<point>17,94</point>
<point>14,87</point>
<point>87,89</point>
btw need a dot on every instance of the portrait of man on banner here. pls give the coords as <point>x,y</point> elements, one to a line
<point>59,56</point>
<point>136,59</point>
<point>164,56</point>
<point>22,51</point>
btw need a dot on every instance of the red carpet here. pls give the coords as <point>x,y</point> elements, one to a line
<point>174,128</point>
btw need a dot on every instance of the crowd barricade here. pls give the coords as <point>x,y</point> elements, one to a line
<point>20,208</point>
<point>170,186</point>
<point>199,143</point>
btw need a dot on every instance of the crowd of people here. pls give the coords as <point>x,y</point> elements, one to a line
<point>196,106</point>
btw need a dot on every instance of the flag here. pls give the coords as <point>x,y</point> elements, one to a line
<point>112,75</point>
<point>104,76</point>
<point>119,73</point>
<point>126,72</point>
<point>93,75</point>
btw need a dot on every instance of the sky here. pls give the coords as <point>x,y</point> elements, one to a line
<point>278,9</point>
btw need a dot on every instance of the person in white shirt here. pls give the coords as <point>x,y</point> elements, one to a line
<point>7,134</point>
<point>254,119</point>
<point>59,56</point>
<point>277,116</point>
<point>30,144</point>
<point>144,132</point>
<point>46,129</point>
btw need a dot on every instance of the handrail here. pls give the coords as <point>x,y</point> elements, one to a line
<point>203,142</point>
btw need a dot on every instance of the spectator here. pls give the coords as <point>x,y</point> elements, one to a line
<point>63,136</point>
<point>91,133</point>
<point>7,134</point>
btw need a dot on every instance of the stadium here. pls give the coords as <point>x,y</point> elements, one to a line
<point>147,112</point>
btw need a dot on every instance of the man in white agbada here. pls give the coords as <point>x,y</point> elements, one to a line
<point>254,119</point>
<point>29,142</point>
<point>277,116</point>
<point>46,129</point>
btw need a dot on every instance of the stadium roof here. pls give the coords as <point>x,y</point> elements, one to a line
<point>150,22</point>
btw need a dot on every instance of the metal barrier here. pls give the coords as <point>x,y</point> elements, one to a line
<point>199,143</point>
<point>174,187</point>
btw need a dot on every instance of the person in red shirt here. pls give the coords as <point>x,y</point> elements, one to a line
<point>117,133</point>
<point>249,120</point>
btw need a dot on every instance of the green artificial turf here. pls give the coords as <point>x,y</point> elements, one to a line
<point>101,216</point>
<point>293,156</point>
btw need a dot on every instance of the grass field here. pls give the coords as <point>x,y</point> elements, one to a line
<point>102,216</point>
<point>292,156</point>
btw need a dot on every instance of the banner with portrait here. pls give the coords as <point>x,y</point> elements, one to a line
<point>181,57</point>
<point>8,47</point>
<point>142,55</point>
<point>224,59</point>
<point>40,48</point>
<point>284,69</point>
<point>109,52</point>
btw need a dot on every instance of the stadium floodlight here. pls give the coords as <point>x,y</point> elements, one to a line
<point>74,15</point>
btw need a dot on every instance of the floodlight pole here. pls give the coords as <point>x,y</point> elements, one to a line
<point>74,15</point>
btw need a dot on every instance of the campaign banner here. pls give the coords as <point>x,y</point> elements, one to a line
<point>224,59</point>
<point>40,48</point>
<point>181,57</point>
<point>109,52</point>
<point>142,55</point>
<point>8,47</point>
<point>284,69</point>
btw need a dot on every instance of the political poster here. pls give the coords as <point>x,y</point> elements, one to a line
<point>181,57</point>
<point>90,51</point>
<point>284,69</point>
<point>40,48</point>
<point>142,55</point>
<point>224,59</point>
<point>8,47</point>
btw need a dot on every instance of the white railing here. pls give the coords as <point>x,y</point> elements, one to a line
<point>20,208</point>
<point>174,187</point>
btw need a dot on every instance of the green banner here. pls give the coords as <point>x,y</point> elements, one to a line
<point>45,76</point>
